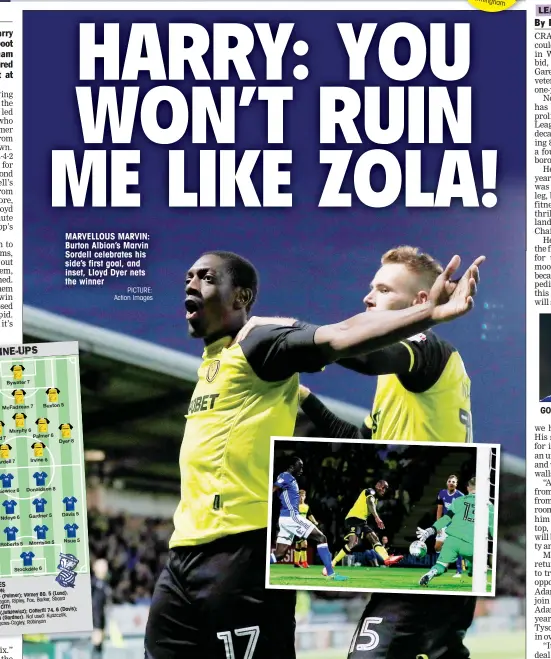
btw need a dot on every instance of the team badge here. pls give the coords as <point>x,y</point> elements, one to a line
<point>213,370</point>
<point>67,576</point>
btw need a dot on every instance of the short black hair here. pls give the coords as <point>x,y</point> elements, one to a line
<point>294,459</point>
<point>242,272</point>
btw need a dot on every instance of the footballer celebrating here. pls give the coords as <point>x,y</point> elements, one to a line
<point>423,390</point>
<point>210,600</point>
<point>423,394</point>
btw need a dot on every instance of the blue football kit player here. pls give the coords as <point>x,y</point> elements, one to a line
<point>292,525</point>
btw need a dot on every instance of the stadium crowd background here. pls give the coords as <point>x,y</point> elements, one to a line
<point>333,479</point>
<point>136,546</point>
<point>134,399</point>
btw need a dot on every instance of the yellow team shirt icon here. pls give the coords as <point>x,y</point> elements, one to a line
<point>5,451</point>
<point>2,424</point>
<point>65,430</point>
<point>19,396</point>
<point>53,393</point>
<point>19,419</point>
<point>17,371</point>
<point>38,449</point>
<point>42,424</point>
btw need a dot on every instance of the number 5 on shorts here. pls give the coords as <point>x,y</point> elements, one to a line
<point>252,632</point>
<point>371,634</point>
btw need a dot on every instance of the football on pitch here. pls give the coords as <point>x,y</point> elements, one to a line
<point>418,549</point>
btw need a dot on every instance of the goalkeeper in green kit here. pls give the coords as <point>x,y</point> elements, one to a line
<point>459,525</point>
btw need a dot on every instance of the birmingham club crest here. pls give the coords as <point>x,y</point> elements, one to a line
<point>67,575</point>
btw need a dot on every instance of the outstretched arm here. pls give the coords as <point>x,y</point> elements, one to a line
<point>327,422</point>
<point>368,332</point>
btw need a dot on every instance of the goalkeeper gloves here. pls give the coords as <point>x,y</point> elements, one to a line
<point>423,534</point>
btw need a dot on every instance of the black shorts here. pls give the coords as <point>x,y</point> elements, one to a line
<point>413,627</point>
<point>356,526</point>
<point>210,603</point>
<point>98,617</point>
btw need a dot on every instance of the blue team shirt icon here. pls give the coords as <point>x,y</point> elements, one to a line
<point>27,557</point>
<point>69,503</point>
<point>40,532</point>
<point>11,533</point>
<point>40,478</point>
<point>39,505</point>
<point>6,479</point>
<point>9,506</point>
<point>71,530</point>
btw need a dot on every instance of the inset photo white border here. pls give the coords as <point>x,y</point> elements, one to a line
<point>487,466</point>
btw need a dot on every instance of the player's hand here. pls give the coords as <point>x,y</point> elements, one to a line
<point>453,299</point>
<point>303,393</point>
<point>423,534</point>
<point>257,321</point>
<point>379,522</point>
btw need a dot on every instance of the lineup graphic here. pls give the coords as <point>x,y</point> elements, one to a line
<point>43,524</point>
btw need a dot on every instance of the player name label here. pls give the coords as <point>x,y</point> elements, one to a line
<point>42,482</point>
<point>41,542</point>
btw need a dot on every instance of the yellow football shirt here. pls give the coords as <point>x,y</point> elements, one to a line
<point>303,509</point>
<point>245,393</point>
<point>360,509</point>
<point>42,424</point>
<point>432,402</point>
<point>65,430</point>
<point>19,419</point>
<point>17,371</point>
<point>52,393</point>
<point>19,396</point>
<point>38,449</point>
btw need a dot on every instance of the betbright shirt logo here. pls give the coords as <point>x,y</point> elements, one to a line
<point>418,338</point>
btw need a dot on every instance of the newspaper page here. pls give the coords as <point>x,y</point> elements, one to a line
<point>271,220</point>
<point>537,267</point>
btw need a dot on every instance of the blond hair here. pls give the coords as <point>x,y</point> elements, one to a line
<point>417,262</point>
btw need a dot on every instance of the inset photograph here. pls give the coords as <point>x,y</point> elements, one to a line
<point>370,516</point>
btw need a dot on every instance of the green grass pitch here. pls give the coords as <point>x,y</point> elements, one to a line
<point>368,578</point>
